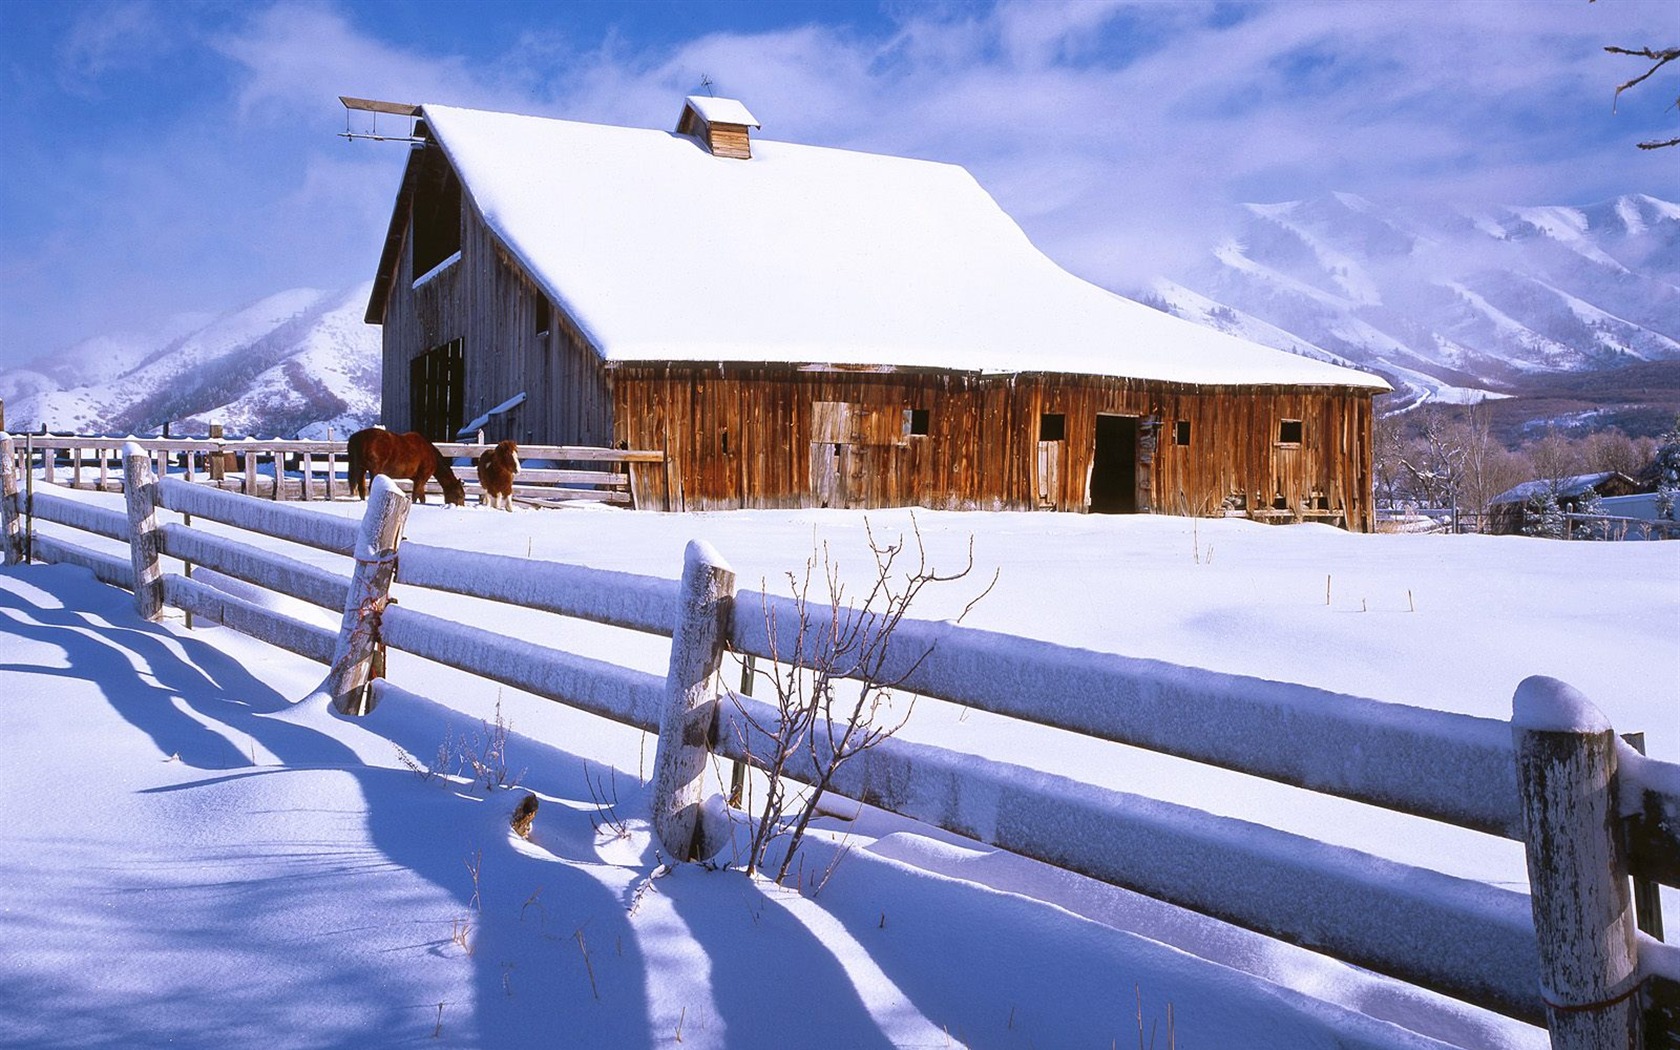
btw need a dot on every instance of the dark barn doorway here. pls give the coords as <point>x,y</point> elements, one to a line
<point>1114,466</point>
<point>436,392</point>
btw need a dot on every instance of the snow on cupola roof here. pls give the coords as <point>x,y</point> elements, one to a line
<point>721,110</point>
<point>720,124</point>
<point>810,255</point>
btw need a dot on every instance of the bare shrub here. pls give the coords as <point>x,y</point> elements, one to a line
<point>832,698</point>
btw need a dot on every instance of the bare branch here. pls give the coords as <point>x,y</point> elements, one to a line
<point>1659,59</point>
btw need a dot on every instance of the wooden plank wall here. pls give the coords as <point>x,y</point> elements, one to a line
<point>486,300</point>
<point>981,450</point>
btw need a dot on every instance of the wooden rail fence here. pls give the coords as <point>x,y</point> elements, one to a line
<point>1577,954</point>
<point>311,470</point>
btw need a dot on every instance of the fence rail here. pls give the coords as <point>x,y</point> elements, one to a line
<point>317,470</point>
<point>1593,814</point>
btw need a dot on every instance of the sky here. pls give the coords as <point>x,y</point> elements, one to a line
<point>186,158</point>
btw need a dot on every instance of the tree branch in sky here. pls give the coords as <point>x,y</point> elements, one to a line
<point>1659,57</point>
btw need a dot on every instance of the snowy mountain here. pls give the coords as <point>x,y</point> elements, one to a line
<point>292,364</point>
<point>1452,304</point>
<point>1569,316</point>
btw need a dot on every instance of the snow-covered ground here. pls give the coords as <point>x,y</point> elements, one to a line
<point>191,857</point>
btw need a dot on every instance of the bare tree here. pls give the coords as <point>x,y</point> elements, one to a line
<point>1612,450</point>
<point>1555,458</point>
<point>1434,460</point>
<point>1388,450</point>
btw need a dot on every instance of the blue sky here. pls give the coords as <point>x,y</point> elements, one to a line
<point>171,156</point>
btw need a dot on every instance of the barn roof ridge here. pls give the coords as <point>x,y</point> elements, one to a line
<point>659,251</point>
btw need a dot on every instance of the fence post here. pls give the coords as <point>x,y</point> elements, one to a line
<point>679,768</point>
<point>1577,868</point>
<point>140,490</point>
<point>217,464</point>
<point>11,507</point>
<point>370,587</point>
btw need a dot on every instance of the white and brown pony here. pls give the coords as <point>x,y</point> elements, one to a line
<point>496,469</point>
<point>410,455</point>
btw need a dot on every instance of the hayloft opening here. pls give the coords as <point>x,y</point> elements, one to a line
<point>1289,432</point>
<point>1181,433</point>
<point>1114,466</point>
<point>1052,426</point>
<point>915,422</point>
<point>436,232</point>
<point>543,316</point>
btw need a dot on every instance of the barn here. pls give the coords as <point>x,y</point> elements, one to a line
<point>804,326</point>
<point>1510,511</point>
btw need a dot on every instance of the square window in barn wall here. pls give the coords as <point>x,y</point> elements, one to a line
<point>915,422</point>
<point>1181,432</point>
<point>436,391</point>
<point>1289,432</point>
<point>1052,426</point>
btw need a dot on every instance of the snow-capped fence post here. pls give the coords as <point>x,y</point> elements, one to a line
<point>11,506</point>
<point>140,490</point>
<point>1577,868</point>
<point>704,604</point>
<point>370,587</point>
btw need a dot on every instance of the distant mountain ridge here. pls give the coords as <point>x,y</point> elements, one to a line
<point>1452,304</point>
<point>297,363</point>
<point>1566,316</point>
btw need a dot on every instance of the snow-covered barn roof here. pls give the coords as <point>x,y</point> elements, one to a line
<point>659,250</point>
<point>1575,485</point>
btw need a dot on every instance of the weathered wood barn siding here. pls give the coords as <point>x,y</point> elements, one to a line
<point>767,435</point>
<point>510,343</point>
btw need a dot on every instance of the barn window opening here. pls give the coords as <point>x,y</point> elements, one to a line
<point>542,321</point>
<point>1052,426</point>
<point>436,219</point>
<point>915,422</point>
<point>723,436</point>
<point>1289,432</point>
<point>1181,432</point>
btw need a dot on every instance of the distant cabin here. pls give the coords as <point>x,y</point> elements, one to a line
<point>1508,512</point>
<point>798,326</point>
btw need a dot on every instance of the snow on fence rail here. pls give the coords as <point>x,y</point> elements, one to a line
<point>309,470</point>
<point>1591,811</point>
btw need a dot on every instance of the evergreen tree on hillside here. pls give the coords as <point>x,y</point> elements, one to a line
<point>1668,471</point>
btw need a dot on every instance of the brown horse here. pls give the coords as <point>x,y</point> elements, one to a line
<point>410,455</point>
<point>496,468</point>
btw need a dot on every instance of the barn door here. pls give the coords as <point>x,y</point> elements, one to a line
<point>835,451</point>
<point>1052,447</point>
<point>1049,474</point>
<point>437,391</point>
<point>1114,466</point>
